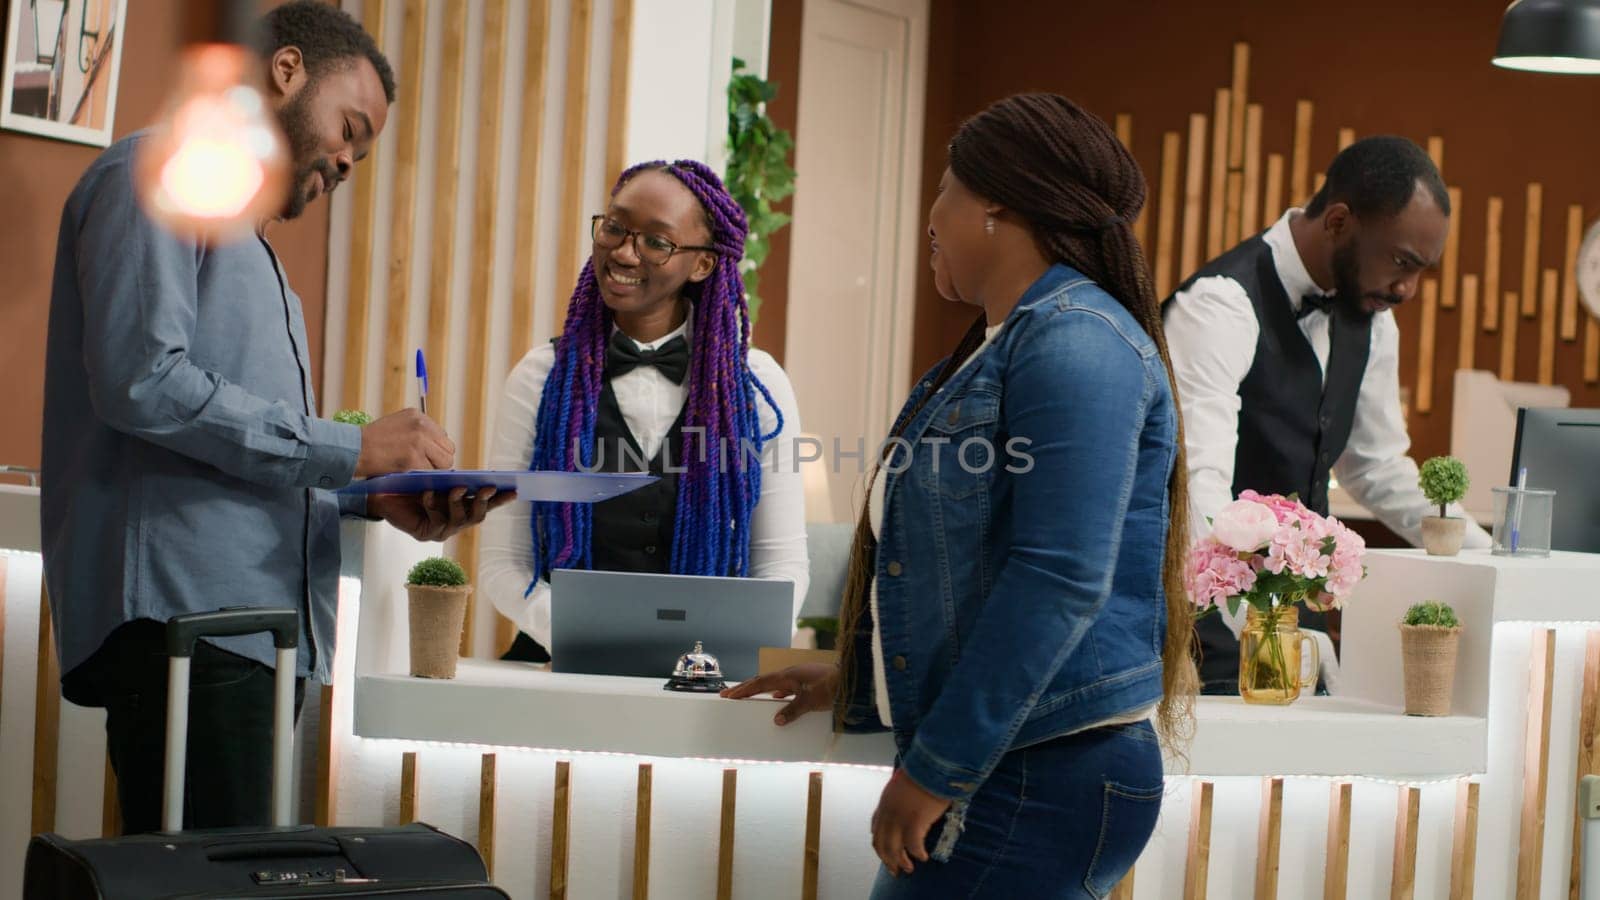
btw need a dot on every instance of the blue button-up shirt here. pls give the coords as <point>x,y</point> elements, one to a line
<point>184,466</point>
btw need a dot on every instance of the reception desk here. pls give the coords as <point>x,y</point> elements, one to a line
<point>526,762</point>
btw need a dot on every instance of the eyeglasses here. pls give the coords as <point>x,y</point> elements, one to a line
<point>652,248</point>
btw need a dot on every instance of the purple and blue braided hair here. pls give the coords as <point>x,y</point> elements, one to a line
<point>717,492</point>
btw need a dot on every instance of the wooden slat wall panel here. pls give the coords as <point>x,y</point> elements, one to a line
<point>560,819</point>
<point>1491,264</point>
<point>730,805</point>
<point>46,724</point>
<point>1231,214</point>
<point>1530,250</point>
<point>1588,763</point>
<point>1536,763</point>
<point>1272,204</point>
<point>1197,865</point>
<point>1347,136</point>
<point>1167,212</point>
<point>536,41</point>
<point>1193,191</point>
<point>408,146</point>
<point>1300,162</point>
<point>1549,291</point>
<point>488,785</point>
<point>1436,152</point>
<point>1591,350</point>
<point>327,763</point>
<point>363,222</point>
<point>1450,263</point>
<point>1466,350</point>
<point>408,787</point>
<point>813,847</point>
<point>1403,881</point>
<point>573,143</point>
<point>1336,869</point>
<point>446,169</point>
<point>1569,278</point>
<point>1125,135</point>
<point>1240,96</point>
<point>1124,888</point>
<point>641,835</point>
<point>617,103</point>
<point>1508,338</point>
<point>1220,113</point>
<point>1269,839</point>
<point>1250,204</point>
<point>1426,340</point>
<point>1464,847</point>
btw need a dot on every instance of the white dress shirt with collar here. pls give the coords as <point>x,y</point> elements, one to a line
<point>1211,335</point>
<point>649,403</point>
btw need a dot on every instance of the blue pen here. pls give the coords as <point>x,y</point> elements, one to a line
<point>1516,516</point>
<point>422,382</point>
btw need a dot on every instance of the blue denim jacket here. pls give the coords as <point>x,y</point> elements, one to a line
<point>1023,599</point>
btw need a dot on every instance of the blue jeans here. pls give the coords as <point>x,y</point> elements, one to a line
<point>1062,820</point>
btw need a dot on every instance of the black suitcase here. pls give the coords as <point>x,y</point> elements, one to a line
<point>282,861</point>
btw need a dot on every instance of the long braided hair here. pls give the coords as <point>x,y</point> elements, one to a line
<point>720,486</point>
<point>1063,171</point>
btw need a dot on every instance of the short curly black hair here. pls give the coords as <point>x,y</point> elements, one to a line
<point>1377,176</point>
<point>327,37</point>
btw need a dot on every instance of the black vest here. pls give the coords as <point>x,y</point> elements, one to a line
<point>633,532</point>
<point>1293,424</point>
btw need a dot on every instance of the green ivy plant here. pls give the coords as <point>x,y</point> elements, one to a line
<point>759,173</point>
<point>1432,613</point>
<point>437,571</point>
<point>1443,480</point>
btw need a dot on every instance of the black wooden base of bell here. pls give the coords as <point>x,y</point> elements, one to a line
<point>695,685</point>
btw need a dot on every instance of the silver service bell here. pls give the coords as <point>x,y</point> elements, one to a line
<point>696,671</point>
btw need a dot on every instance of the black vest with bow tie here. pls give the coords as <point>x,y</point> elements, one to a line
<point>1292,424</point>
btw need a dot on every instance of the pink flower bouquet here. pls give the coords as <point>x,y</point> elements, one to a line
<point>1269,550</point>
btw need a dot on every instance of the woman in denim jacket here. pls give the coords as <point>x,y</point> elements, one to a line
<point>1015,613</point>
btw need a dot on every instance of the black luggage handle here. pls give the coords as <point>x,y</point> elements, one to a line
<point>184,630</point>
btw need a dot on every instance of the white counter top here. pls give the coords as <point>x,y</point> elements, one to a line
<point>515,704</point>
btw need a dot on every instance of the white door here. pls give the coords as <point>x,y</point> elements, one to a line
<point>852,274</point>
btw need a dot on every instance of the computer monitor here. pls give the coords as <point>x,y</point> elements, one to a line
<point>1561,450</point>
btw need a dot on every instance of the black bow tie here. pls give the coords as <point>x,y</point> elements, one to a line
<point>670,359</point>
<point>1311,303</point>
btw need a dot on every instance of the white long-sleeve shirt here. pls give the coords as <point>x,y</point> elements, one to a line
<point>649,403</point>
<point>1211,334</point>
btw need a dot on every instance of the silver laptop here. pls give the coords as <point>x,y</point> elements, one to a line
<point>628,623</point>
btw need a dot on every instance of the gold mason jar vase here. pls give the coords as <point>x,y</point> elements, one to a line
<point>1271,649</point>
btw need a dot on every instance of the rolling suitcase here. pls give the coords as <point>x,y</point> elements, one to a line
<point>281,861</point>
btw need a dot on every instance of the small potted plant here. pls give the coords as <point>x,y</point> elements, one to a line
<point>826,629</point>
<point>1443,480</point>
<point>438,591</point>
<point>1429,635</point>
<point>352,417</point>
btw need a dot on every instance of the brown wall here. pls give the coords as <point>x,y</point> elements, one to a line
<point>1417,69</point>
<point>37,174</point>
<point>783,69</point>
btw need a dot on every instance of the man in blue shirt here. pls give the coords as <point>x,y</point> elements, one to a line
<point>185,468</point>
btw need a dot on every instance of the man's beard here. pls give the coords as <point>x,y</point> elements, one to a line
<point>295,119</point>
<point>1347,282</point>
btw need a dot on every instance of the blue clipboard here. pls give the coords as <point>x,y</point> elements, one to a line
<point>549,487</point>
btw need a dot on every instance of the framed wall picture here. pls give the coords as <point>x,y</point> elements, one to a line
<point>62,61</point>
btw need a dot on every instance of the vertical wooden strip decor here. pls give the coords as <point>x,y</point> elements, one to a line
<point>1508,339</point>
<point>560,816</point>
<point>46,724</point>
<point>1250,204</point>
<point>1197,867</point>
<point>1536,763</point>
<point>1124,888</point>
<point>1466,352</point>
<point>1347,136</point>
<point>1548,299</point>
<point>1591,350</point>
<point>481,382</point>
<point>1429,332</point>
<point>617,103</point>
<point>325,763</point>
<point>363,221</point>
<point>1588,725</point>
<point>1491,265</point>
<point>1193,189</point>
<point>3,566</point>
<point>1167,213</point>
<point>1436,153</point>
<point>1464,849</point>
<point>1125,135</point>
<point>487,784</point>
<point>408,787</point>
<point>730,804</point>
<point>574,148</point>
<point>1451,261</point>
<point>110,809</point>
<point>526,232</point>
<point>1269,838</point>
<point>1300,162</point>
<point>1530,251</point>
<point>813,849</point>
<point>1569,274</point>
<point>1220,113</point>
<point>1239,95</point>
<point>1272,206</point>
<point>641,836</point>
<point>397,353</point>
<point>1231,213</point>
<point>1336,872</point>
<point>446,169</point>
<point>1403,883</point>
